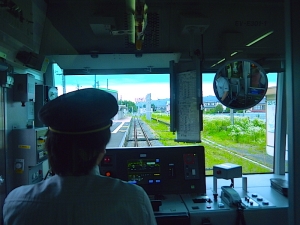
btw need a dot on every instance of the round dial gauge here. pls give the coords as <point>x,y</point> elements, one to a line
<point>52,93</point>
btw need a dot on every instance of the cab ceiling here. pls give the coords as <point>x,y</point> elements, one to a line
<point>97,33</point>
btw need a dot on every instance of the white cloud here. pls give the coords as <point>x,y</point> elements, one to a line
<point>128,90</point>
<point>207,89</point>
<point>132,91</point>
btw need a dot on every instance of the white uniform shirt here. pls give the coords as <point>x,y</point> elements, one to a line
<point>88,200</point>
<point>222,86</point>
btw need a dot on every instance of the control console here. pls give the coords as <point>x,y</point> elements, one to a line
<point>164,173</point>
<point>159,170</point>
<point>174,179</point>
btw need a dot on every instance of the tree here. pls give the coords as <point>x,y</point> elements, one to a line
<point>153,107</point>
<point>129,104</point>
<point>219,108</point>
<point>227,110</point>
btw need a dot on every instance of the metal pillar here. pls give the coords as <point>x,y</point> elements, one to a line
<point>292,44</point>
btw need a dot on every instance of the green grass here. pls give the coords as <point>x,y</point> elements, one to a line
<point>216,130</point>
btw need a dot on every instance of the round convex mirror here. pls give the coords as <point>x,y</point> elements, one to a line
<point>240,84</point>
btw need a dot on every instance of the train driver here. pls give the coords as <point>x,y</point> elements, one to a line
<point>79,129</point>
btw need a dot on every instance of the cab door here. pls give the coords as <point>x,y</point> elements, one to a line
<point>2,151</point>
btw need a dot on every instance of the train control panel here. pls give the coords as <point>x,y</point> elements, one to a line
<point>174,179</point>
<point>164,173</point>
<point>159,170</point>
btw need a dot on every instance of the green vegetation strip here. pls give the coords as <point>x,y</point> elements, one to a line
<point>220,131</point>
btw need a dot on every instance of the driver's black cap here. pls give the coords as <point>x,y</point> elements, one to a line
<point>79,112</point>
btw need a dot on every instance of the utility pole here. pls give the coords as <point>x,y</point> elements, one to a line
<point>231,117</point>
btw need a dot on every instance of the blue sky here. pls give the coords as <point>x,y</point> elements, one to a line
<point>130,87</point>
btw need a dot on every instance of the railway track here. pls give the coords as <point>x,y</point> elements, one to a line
<point>235,153</point>
<point>140,135</point>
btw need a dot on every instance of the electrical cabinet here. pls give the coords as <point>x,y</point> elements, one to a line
<point>23,88</point>
<point>28,155</point>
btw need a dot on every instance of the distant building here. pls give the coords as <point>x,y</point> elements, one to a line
<point>160,104</point>
<point>122,112</point>
<point>168,107</point>
<point>210,102</point>
<point>122,109</point>
<point>260,107</point>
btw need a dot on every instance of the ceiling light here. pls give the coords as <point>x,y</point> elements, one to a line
<point>221,60</point>
<point>234,53</point>
<point>218,62</point>
<point>260,38</point>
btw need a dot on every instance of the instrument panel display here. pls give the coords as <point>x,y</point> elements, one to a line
<point>144,171</point>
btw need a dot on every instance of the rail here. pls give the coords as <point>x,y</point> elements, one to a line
<point>138,132</point>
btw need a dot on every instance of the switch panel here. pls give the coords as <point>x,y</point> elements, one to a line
<point>191,167</point>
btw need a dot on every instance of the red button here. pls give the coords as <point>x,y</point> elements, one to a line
<point>107,159</point>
